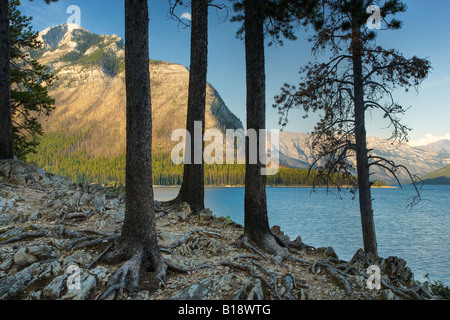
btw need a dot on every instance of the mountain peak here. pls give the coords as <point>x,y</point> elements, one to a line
<point>57,35</point>
<point>441,147</point>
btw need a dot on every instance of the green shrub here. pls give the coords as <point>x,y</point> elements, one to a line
<point>438,288</point>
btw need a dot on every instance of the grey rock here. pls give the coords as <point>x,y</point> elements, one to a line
<point>34,216</point>
<point>256,293</point>
<point>388,294</point>
<point>86,287</point>
<point>95,188</point>
<point>2,205</point>
<point>113,204</point>
<point>43,252</point>
<point>99,203</point>
<point>181,215</point>
<point>197,291</point>
<point>7,264</point>
<point>206,214</point>
<point>114,217</point>
<point>143,295</point>
<point>277,230</point>
<point>74,201</point>
<point>55,288</point>
<point>23,258</point>
<point>35,295</point>
<point>85,199</point>
<point>101,274</point>
<point>252,290</point>
<point>18,282</point>
<point>328,252</point>
<point>80,258</point>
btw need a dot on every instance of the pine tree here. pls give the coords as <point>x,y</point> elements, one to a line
<point>138,242</point>
<point>29,81</point>
<point>6,141</point>
<point>359,78</point>
<point>276,18</point>
<point>192,189</point>
<point>6,129</point>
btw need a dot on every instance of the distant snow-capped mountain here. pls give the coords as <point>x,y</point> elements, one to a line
<point>296,152</point>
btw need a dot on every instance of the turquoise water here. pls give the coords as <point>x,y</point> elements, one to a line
<point>420,235</point>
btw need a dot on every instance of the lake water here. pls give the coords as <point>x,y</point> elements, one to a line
<point>420,235</point>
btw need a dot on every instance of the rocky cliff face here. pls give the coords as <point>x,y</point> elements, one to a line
<point>90,93</point>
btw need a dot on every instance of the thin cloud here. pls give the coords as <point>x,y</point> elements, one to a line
<point>186,16</point>
<point>429,138</point>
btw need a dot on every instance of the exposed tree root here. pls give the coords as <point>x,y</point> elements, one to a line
<point>99,256</point>
<point>341,279</point>
<point>247,268</point>
<point>72,244</point>
<point>409,294</point>
<point>126,277</point>
<point>23,236</point>
<point>89,241</point>
<point>5,229</point>
<point>95,242</point>
<point>185,237</point>
<point>335,273</point>
<point>69,233</point>
<point>76,215</point>
<point>341,272</point>
<point>297,260</point>
<point>171,204</point>
<point>289,285</point>
<point>244,243</point>
<point>271,244</point>
<point>180,269</point>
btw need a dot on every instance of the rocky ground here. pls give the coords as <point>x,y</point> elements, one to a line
<point>53,233</point>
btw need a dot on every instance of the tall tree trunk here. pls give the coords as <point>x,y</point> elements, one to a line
<point>138,241</point>
<point>6,143</point>
<point>365,197</point>
<point>192,189</point>
<point>256,220</point>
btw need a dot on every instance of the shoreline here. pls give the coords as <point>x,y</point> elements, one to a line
<point>271,186</point>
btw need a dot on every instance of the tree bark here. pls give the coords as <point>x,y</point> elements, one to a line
<point>139,229</point>
<point>6,141</point>
<point>192,189</point>
<point>256,219</point>
<point>365,197</point>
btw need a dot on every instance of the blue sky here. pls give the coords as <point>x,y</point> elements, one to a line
<point>425,33</point>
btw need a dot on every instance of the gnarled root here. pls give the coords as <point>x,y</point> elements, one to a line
<point>127,276</point>
<point>268,244</point>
